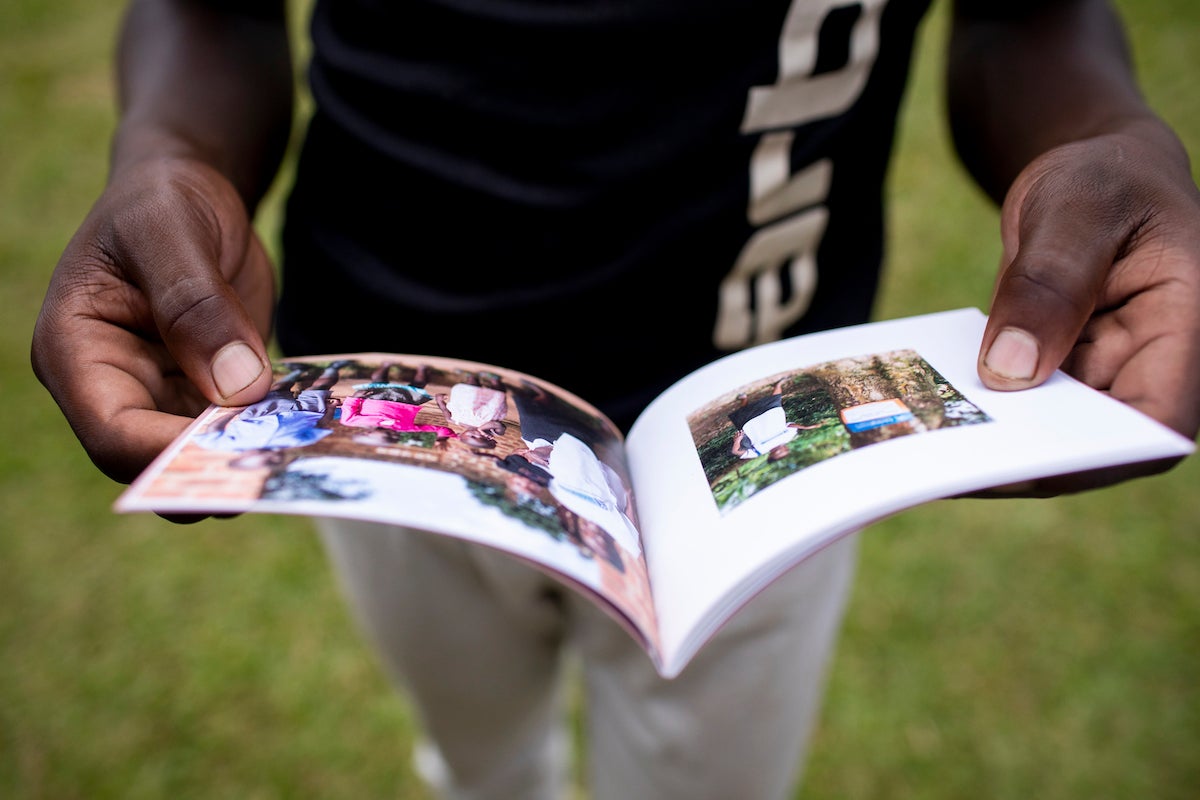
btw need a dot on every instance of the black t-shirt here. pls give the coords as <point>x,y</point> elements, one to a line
<point>606,194</point>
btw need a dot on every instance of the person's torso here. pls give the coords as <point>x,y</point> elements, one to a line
<point>642,185</point>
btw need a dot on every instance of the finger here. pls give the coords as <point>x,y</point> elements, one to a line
<point>1067,240</point>
<point>1144,349</point>
<point>186,279</point>
<point>121,392</point>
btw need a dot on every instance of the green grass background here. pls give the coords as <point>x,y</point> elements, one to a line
<point>993,649</point>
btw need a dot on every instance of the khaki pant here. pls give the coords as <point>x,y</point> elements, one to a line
<point>477,640</point>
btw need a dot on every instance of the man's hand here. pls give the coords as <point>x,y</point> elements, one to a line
<point>1100,275</point>
<point>160,304</point>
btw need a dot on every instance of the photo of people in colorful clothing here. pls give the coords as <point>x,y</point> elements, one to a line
<point>349,430</point>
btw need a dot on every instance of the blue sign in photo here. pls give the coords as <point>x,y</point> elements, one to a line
<point>868,416</point>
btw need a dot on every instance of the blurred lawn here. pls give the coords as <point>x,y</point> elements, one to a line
<point>994,649</point>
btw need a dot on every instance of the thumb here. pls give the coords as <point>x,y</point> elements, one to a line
<point>208,329</point>
<point>239,373</point>
<point>209,289</point>
<point>1059,248</point>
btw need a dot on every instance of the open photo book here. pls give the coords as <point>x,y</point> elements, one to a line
<point>731,477</point>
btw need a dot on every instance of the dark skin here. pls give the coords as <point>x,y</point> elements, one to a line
<point>1100,272</point>
<point>1100,224</point>
<point>168,324</point>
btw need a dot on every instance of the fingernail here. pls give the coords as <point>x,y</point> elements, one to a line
<point>1013,355</point>
<point>235,367</point>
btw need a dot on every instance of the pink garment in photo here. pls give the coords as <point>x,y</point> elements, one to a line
<point>366,412</point>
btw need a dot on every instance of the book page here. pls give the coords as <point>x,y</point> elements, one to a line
<point>754,462</point>
<point>451,447</point>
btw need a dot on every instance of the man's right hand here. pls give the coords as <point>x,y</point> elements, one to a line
<point>160,304</point>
